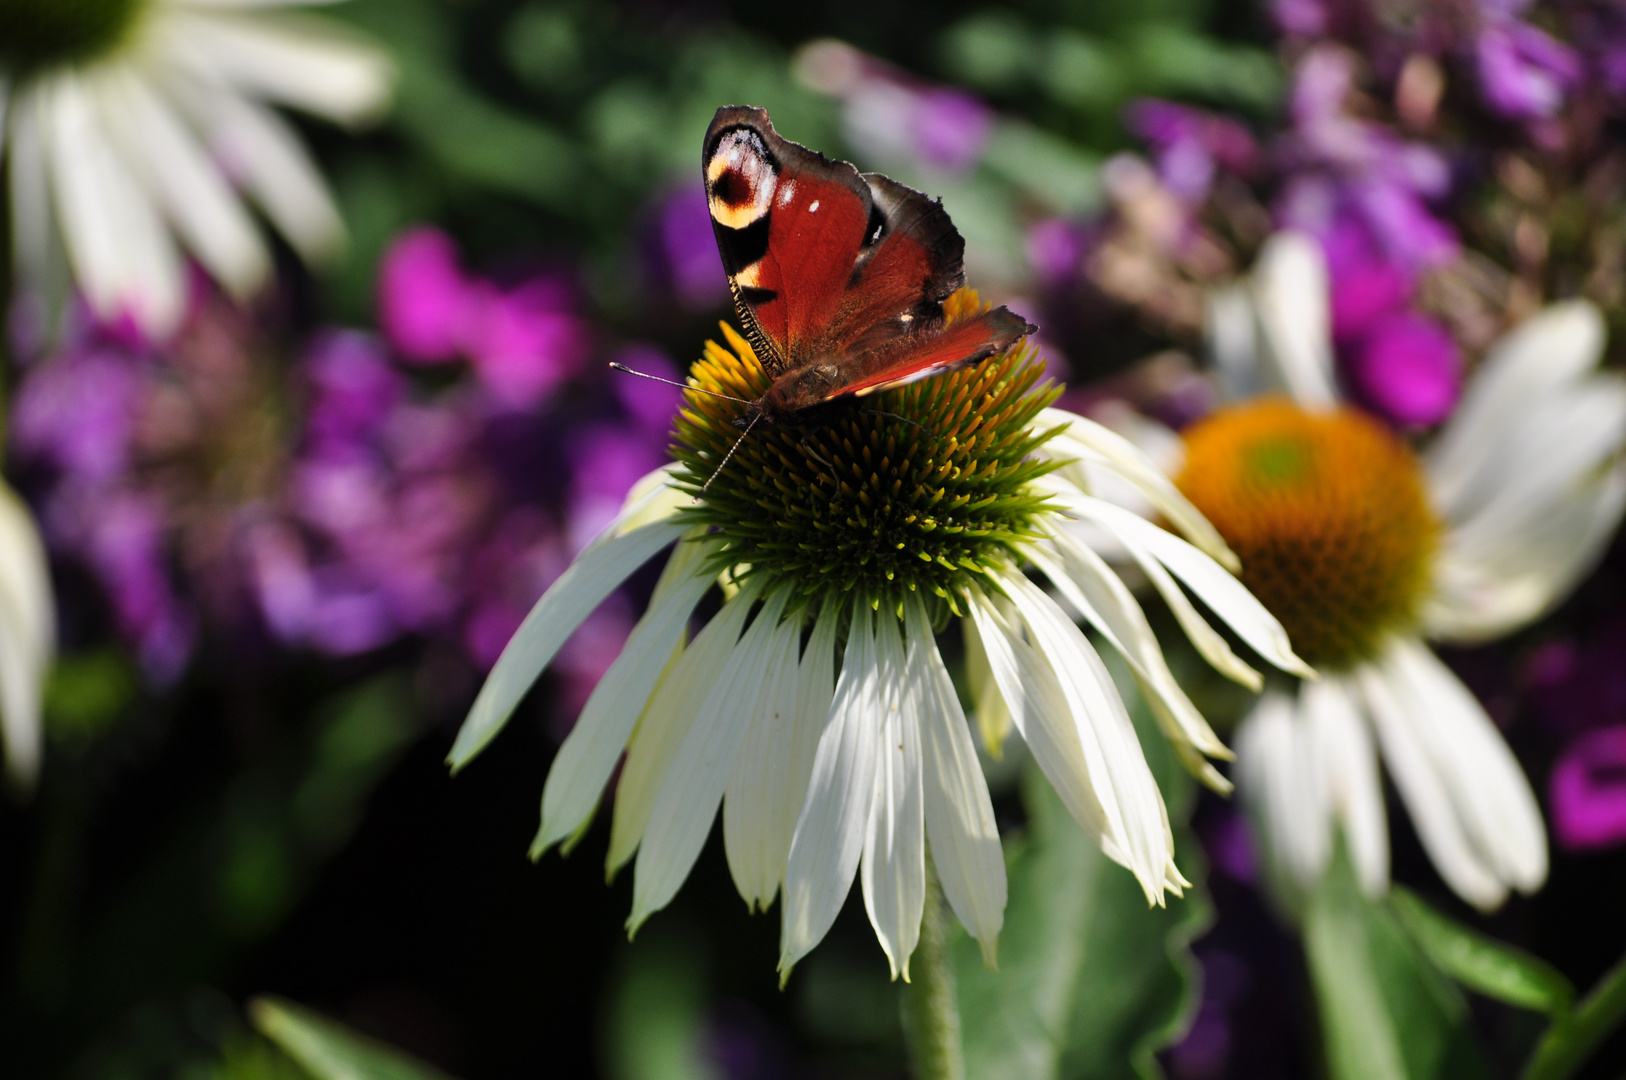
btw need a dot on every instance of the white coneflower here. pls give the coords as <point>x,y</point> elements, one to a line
<point>874,530</point>
<point>1364,550</point>
<point>133,124</point>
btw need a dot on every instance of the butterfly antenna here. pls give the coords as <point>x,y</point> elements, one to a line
<point>730,453</point>
<point>679,385</point>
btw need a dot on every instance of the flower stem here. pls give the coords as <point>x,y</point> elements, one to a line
<point>1573,1037</point>
<point>931,1006</point>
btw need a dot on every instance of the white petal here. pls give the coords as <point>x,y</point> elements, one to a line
<point>596,573</point>
<point>260,150</point>
<point>756,837</point>
<point>1093,442</point>
<point>1556,442</point>
<point>1224,594</point>
<point>993,715</point>
<point>1494,591</point>
<point>1492,795</point>
<point>959,813</point>
<point>27,637</point>
<point>180,176</point>
<point>1277,769</point>
<point>1556,346</point>
<point>1116,767</point>
<point>893,871</point>
<point>122,256</point>
<point>33,238</point>
<point>309,64</point>
<point>692,787</point>
<point>1087,582</point>
<point>1233,341</point>
<point>1348,765</point>
<point>1291,299</point>
<point>831,829</point>
<point>1401,735</point>
<point>589,753</point>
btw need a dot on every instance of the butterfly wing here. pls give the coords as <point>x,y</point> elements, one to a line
<point>921,355</point>
<point>817,255</point>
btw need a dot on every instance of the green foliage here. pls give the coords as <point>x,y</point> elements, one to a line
<point>87,692</point>
<point>1386,1012</point>
<point>1091,983</point>
<point>1570,1042</point>
<point>1481,963</point>
<point>656,1015</point>
<point>330,1051</point>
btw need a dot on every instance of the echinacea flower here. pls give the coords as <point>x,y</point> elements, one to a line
<point>1365,550</point>
<point>135,126</point>
<point>831,760</point>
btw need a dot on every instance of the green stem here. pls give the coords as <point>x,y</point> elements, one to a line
<point>1574,1036</point>
<point>931,1007</point>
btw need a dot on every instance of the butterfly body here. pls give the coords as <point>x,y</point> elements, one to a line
<point>839,277</point>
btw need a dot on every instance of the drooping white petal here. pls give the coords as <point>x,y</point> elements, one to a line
<point>180,176</point>
<point>1039,710</point>
<point>1277,768</point>
<point>893,871</point>
<point>1291,299</point>
<point>1499,812</point>
<point>1217,588</point>
<point>993,714</point>
<point>261,152</point>
<point>123,258</point>
<point>1090,441</point>
<point>692,787</point>
<point>27,637</point>
<point>1484,593</point>
<point>588,755</point>
<point>596,573</point>
<point>312,65</point>
<point>1558,345</point>
<point>34,240</point>
<point>755,837</point>
<point>1233,340</point>
<point>1555,444</point>
<point>676,702</point>
<point>1116,766</point>
<point>959,813</point>
<point>1348,766</point>
<point>830,831</point>
<point>1087,582</point>
<point>1428,798</point>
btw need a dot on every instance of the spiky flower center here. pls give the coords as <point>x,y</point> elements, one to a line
<point>42,33</point>
<point>913,489</point>
<point>1329,514</point>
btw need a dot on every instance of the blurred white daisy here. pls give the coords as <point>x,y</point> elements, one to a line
<point>1365,550</point>
<point>133,128</point>
<point>874,530</point>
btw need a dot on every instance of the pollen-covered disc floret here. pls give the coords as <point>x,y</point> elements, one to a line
<point>913,489</point>
<point>1330,516</point>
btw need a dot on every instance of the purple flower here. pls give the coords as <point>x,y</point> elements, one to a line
<point>353,388</point>
<point>688,249</point>
<point>1410,368</point>
<point>1523,73</point>
<point>422,296</point>
<point>651,403</point>
<point>1587,790</point>
<point>1055,250</point>
<point>951,128</point>
<point>77,412</point>
<point>1190,145</point>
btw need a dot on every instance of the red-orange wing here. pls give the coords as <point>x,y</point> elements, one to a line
<point>922,355</point>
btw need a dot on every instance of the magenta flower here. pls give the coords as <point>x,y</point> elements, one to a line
<point>1190,146</point>
<point>1523,73</point>
<point>422,296</point>
<point>1409,368</point>
<point>1587,790</point>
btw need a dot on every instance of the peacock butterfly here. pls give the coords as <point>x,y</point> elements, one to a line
<point>839,276</point>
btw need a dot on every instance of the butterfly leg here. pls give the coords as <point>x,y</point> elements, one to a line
<point>807,449</point>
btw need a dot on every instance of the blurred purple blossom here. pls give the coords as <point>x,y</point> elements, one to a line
<point>687,248</point>
<point>521,341</point>
<point>1587,790</point>
<point>1055,250</point>
<point>1409,368</point>
<point>1190,146</point>
<point>1524,74</point>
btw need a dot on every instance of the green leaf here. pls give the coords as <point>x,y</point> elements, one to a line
<point>655,1027</point>
<point>1481,963</point>
<point>328,1050</point>
<point>1091,983</point>
<point>1386,1012</point>
<point>1576,1035</point>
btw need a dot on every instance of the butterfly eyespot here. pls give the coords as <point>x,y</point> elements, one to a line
<point>732,189</point>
